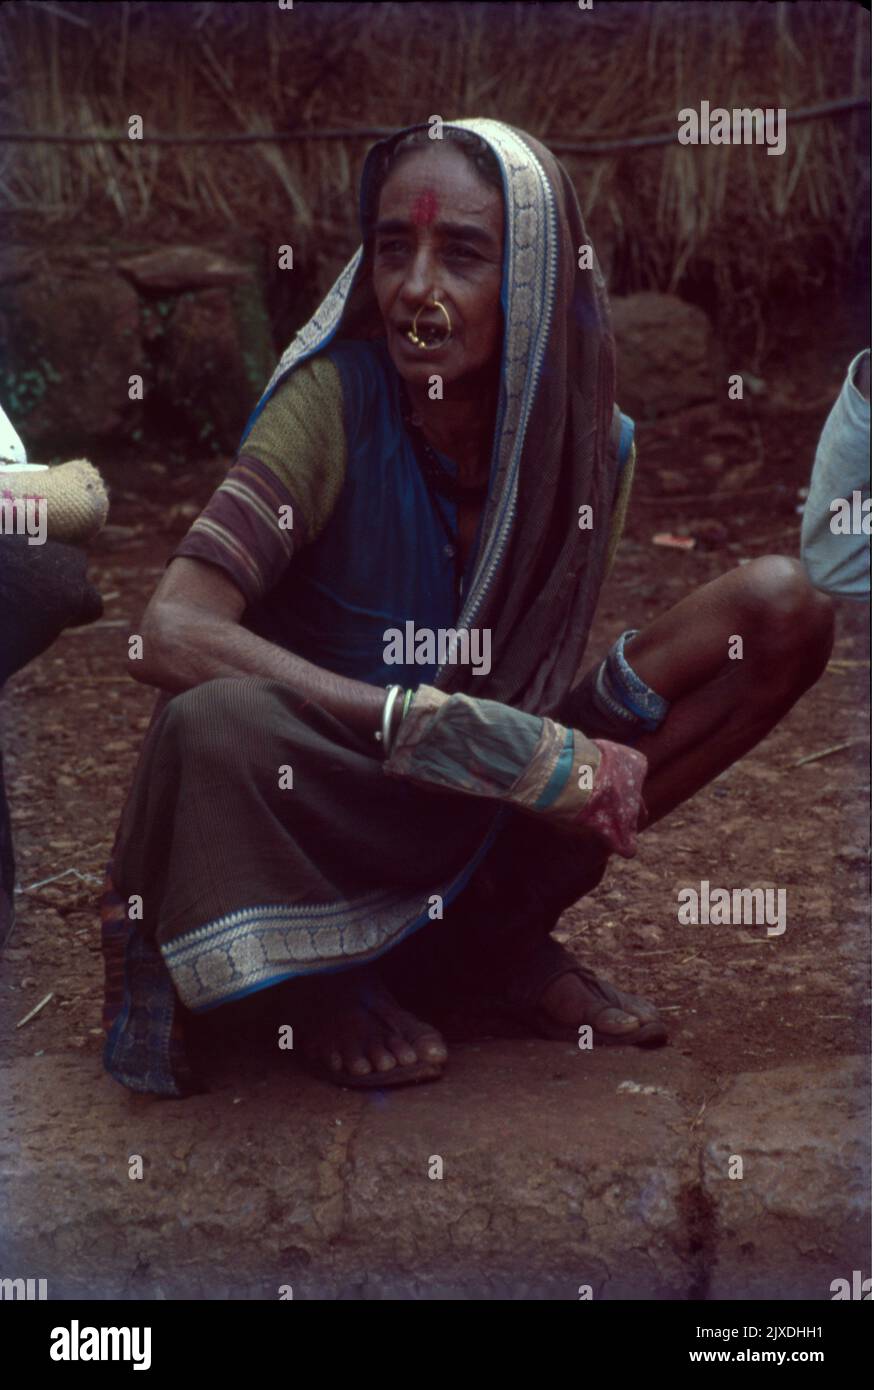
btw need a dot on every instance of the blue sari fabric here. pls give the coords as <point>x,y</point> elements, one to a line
<point>384,558</point>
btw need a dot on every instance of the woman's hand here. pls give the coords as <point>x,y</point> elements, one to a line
<point>484,748</point>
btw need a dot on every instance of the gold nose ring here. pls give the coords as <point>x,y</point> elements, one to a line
<point>412,333</point>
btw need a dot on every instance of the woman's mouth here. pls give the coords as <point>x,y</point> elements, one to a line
<point>432,335</point>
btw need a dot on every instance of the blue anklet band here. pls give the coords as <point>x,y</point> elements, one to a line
<point>621,692</point>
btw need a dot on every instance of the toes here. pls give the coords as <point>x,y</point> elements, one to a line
<point>361,1039</point>
<point>381,1058</point>
<point>408,1031</point>
<point>429,1047</point>
<point>354,1060</point>
<point>641,1008</point>
<point>616,1021</point>
<point>320,1050</point>
<point>570,1000</point>
<point>357,1065</point>
<point>405,1054</point>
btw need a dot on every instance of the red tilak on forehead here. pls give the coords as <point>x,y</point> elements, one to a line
<point>425,208</point>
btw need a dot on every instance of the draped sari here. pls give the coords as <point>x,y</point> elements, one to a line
<point>223,881</point>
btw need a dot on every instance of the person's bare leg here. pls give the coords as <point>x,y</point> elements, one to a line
<point>720,707</point>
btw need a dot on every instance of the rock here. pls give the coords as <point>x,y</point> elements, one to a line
<point>798,1218</point>
<point>664,351</point>
<point>552,1178</point>
<point>216,358</point>
<point>67,348</point>
<point>172,269</point>
<point>73,334</point>
<point>560,1168</point>
<point>646,937</point>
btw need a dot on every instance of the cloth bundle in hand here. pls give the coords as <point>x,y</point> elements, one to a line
<point>484,748</point>
<point>72,497</point>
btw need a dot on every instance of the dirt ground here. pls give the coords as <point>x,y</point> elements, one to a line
<point>737,1000</point>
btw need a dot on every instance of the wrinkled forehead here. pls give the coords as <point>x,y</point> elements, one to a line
<point>439,184</point>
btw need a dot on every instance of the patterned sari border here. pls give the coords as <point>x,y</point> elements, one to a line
<point>224,965</point>
<point>532,260</point>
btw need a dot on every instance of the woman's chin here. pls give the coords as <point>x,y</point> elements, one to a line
<point>417,366</point>
<point>420,370</point>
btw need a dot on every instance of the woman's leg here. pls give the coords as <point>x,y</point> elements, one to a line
<point>723,705</point>
<point>263,844</point>
<point>720,706</point>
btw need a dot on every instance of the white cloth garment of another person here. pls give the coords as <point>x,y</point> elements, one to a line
<point>836,539</point>
<point>12,452</point>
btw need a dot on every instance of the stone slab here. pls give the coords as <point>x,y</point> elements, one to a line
<point>799,1216</point>
<point>553,1177</point>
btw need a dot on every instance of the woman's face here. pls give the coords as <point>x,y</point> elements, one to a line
<point>439,229</point>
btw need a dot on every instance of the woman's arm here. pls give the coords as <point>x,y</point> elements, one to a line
<point>479,747</point>
<point>191,633</point>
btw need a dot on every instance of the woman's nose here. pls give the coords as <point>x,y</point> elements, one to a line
<point>419,279</point>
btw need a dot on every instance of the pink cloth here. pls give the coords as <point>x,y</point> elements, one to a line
<point>613,808</point>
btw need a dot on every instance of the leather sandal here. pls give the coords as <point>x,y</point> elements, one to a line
<point>549,962</point>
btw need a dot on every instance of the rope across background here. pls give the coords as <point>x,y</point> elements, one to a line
<point>840,106</point>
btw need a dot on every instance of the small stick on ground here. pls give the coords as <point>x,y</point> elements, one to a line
<point>35,1010</point>
<point>827,752</point>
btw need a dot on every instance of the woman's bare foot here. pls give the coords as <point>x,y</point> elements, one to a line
<point>354,1028</point>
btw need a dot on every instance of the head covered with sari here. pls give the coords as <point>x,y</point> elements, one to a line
<point>537,574</point>
<point>245,888</point>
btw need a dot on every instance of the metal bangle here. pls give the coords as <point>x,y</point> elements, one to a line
<point>384,735</point>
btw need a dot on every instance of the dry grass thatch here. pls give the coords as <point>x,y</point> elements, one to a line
<point>554,70</point>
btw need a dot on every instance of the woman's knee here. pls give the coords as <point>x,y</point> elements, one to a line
<point>216,708</point>
<point>789,624</point>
